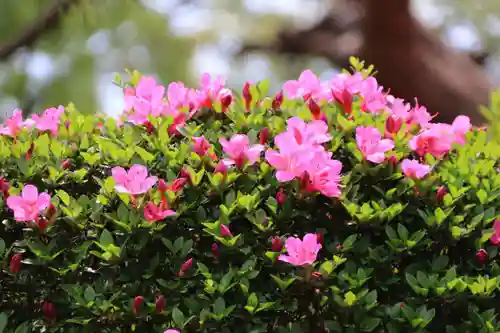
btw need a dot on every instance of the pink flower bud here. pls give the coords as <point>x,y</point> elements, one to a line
<point>264,136</point>
<point>186,266</point>
<point>15,263</point>
<point>226,98</point>
<point>49,310</point>
<point>179,183</point>
<point>247,96</point>
<point>393,124</point>
<point>276,244</point>
<point>162,186</point>
<point>137,305</point>
<point>482,256</point>
<point>215,250</point>
<point>66,164</point>
<point>441,192</point>
<point>281,197</point>
<point>160,303</point>
<point>224,231</point>
<point>278,100</point>
<point>220,168</point>
<point>314,108</point>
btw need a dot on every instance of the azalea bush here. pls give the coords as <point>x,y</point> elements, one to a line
<point>329,207</point>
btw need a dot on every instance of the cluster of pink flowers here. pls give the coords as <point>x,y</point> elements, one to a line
<point>147,100</point>
<point>49,121</point>
<point>301,252</point>
<point>239,151</point>
<point>302,156</point>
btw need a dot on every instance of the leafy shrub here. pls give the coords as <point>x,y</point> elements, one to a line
<point>337,208</point>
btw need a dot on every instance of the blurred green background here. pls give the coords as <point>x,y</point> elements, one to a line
<point>179,39</point>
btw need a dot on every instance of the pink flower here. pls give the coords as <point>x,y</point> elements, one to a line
<point>374,99</point>
<point>301,252</point>
<point>420,116</point>
<point>239,151</point>
<point>210,91</point>
<point>495,238</point>
<point>28,206</point>
<point>154,213</point>
<point>413,169</point>
<point>323,175</point>
<point>344,87</point>
<point>135,181</point>
<point>170,330</point>
<point>308,85</point>
<point>145,100</point>
<point>289,165</point>
<point>371,144</point>
<point>302,133</point>
<point>201,146</point>
<point>461,126</point>
<point>50,120</point>
<point>15,124</point>
<point>179,119</point>
<point>178,95</point>
<point>225,231</point>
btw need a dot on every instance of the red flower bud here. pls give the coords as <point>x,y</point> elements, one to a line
<point>162,186</point>
<point>344,98</point>
<point>224,231</point>
<point>50,212</point>
<point>29,152</point>
<point>4,188</point>
<point>276,244</point>
<point>49,311</point>
<point>401,305</point>
<point>137,305</point>
<point>42,223</point>
<point>278,100</point>
<point>179,183</point>
<point>247,96</point>
<point>66,164</point>
<point>281,197</point>
<point>15,263</point>
<point>221,168</point>
<point>319,237</point>
<point>160,303</point>
<point>215,250</point>
<point>186,266</point>
<point>149,127</point>
<point>393,124</point>
<point>184,174</point>
<point>226,99</point>
<point>393,161</point>
<point>441,192</point>
<point>264,135</point>
<point>482,256</point>
<point>314,108</point>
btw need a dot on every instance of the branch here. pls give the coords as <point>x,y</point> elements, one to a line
<point>44,23</point>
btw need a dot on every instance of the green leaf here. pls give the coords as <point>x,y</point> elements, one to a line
<point>2,247</point>
<point>106,238</point>
<point>252,300</point>
<point>369,324</point>
<point>144,154</point>
<point>65,198</point>
<point>402,232</point>
<point>440,263</point>
<point>482,196</point>
<point>349,298</point>
<point>89,294</point>
<point>3,321</point>
<point>219,306</point>
<point>178,317</point>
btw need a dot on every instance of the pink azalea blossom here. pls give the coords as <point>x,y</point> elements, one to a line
<point>371,144</point>
<point>413,169</point>
<point>302,133</point>
<point>15,124</point>
<point>210,90</point>
<point>344,87</point>
<point>495,238</point>
<point>178,95</point>
<point>135,181</point>
<point>29,204</point>
<point>420,116</point>
<point>239,151</point>
<point>148,100</point>
<point>461,126</point>
<point>170,330</point>
<point>323,175</point>
<point>289,165</point>
<point>154,213</point>
<point>201,146</point>
<point>374,99</point>
<point>308,85</point>
<point>179,119</point>
<point>50,120</point>
<point>301,252</point>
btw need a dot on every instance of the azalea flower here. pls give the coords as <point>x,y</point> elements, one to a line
<point>413,169</point>
<point>301,252</point>
<point>154,213</point>
<point>29,204</point>
<point>15,124</point>
<point>371,144</point>
<point>495,238</point>
<point>239,151</point>
<point>147,100</point>
<point>135,181</point>
<point>50,120</point>
<point>307,86</point>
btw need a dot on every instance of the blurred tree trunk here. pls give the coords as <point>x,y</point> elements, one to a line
<point>412,61</point>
